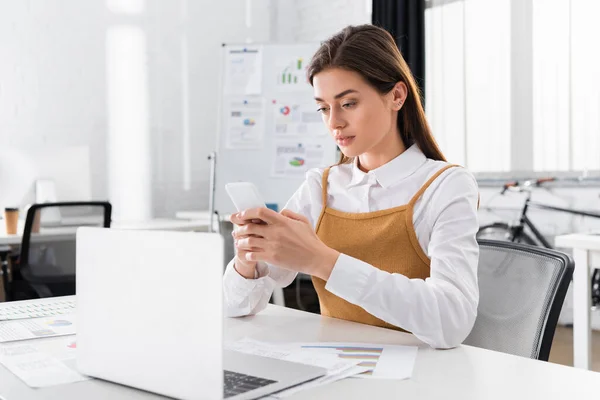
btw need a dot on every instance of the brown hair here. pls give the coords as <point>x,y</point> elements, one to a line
<point>372,52</point>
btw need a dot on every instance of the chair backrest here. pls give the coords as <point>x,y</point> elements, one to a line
<point>521,293</point>
<point>52,252</point>
<point>225,229</point>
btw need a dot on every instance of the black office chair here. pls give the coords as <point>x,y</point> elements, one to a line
<point>225,229</point>
<point>4,257</point>
<point>46,265</point>
<point>521,293</point>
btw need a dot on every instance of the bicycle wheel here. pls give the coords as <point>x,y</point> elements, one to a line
<point>502,231</point>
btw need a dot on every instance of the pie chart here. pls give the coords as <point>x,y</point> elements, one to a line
<point>297,162</point>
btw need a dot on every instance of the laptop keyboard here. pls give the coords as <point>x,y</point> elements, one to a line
<point>236,383</point>
<point>39,308</point>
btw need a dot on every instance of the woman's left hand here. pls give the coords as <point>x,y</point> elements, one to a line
<point>286,240</point>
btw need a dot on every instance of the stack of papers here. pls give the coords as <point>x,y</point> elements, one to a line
<point>35,328</point>
<point>379,361</point>
<point>43,362</point>
<point>342,360</point>
<point>48,361</point>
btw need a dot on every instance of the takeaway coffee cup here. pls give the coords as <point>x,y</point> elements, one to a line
<point>11,219</point>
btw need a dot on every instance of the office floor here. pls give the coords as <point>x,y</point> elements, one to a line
<point>562,348</point>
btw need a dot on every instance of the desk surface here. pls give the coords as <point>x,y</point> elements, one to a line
<point>462,373</point>
<point>154,224</point>
<point>163,224</point>
<point>588,241</point>
<point>191,214</point>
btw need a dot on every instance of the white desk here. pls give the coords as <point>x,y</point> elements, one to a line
<point>164,225</point>
<point>197,215</point>
<point>461,373</point>
<point>583,245</point>
<point>69,232</point>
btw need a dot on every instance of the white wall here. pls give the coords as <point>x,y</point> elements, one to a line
<point>315,20</point>
<point>53,82</point>
<point>54,77</point>
<point>208,24</point>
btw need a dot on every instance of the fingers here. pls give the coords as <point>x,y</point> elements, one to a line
<point>250,243</point>
<point>236,219</point>
<point>246,256</point>
<point>255,256</point>
<point>295,216</point>
<point>261,213</point>
<point>250,230</point>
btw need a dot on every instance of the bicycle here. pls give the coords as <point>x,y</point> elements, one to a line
<point>516,232</point>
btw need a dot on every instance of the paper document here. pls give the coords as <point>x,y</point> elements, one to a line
<point>34,328</point>
<point>243,70</point>
<point>336,368</point>
<point>329,378</point>
<point>245,123</point>
<point>293,158</point>
<point>331,363</point>
<point>293,117</point>
<point>342,360</point>
<point>383,361</point>
<point>290,73</point>
<point>42,362</point>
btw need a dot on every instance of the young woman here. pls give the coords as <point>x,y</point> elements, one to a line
<point>387,234</point>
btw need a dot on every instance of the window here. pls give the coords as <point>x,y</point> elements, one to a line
<point>512,84</point>
<point>585,85</point>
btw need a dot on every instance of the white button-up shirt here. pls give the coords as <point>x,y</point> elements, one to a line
<point>439,310</point>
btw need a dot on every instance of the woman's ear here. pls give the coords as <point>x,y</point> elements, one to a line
<point>399,93</point>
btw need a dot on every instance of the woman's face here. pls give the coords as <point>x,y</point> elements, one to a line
<point>359,118</point>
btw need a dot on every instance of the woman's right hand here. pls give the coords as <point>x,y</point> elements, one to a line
<point>242,266</point>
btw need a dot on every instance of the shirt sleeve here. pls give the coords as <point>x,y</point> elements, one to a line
<point>243,296</point>
<point>441,309</point>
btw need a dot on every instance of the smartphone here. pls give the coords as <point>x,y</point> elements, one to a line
<point>244,195</point>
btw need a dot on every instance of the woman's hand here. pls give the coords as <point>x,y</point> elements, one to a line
<point>243,266</point>
<point>286,240</point>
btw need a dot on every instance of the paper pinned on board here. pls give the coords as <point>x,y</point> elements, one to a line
<point>290,73</point>
<point>243,70</point>
<point>293,158</point>
<point>245,123</point>
<point>297,117</point>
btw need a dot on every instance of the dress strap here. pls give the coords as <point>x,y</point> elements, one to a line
<point>428,183</point>
<point>324,186</point>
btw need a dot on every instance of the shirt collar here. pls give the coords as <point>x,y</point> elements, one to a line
<point>393,171</point>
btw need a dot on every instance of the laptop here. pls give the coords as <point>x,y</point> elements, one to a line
<point>149,316</point>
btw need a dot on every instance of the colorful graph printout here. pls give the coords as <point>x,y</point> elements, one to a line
<point>368,356</point>
<point>383,361</point>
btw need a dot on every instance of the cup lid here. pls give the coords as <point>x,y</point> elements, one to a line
<point>11,209</point>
